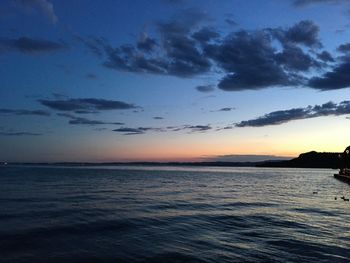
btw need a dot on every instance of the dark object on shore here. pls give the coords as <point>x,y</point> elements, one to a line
<point>342,177</point>
<point>344,172</point>
<point>315,193</point>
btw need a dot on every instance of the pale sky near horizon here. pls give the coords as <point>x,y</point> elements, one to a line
<point>173,80</point>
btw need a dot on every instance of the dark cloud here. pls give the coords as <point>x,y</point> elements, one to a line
<point>158,118</point>
<point>325,56</point>
<point>84,121</point>
<point>86,104</point>
<point>249,60</point>
<point>24,112</point>
<point>344,48</point>
<point>145,43</point>
<point>205,34</point>
<point>19,134</point>
<point>43,6</point>
<point>91,76</point>
<point>180,55</point>
<point>294,58</point>
<point>310,2</point>
<point>226,109</point>
<point>197,128</point>
<point>283,116</point>
<point>305,32</point>
<point>29,45</point>
<point>205,88</point>
<point>337,78</point>
<point>143,130</point>
<point>135,131</point>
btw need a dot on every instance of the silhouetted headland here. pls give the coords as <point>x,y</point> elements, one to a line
<point>314,160</point>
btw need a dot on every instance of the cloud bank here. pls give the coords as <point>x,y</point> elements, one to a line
<point>246,59</point>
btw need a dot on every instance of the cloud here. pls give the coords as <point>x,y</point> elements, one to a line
<point>43,6</point>
<point>284,116</point>
<point>19,134</point>
<point>325,56</point>
<point>205,88</point>
<point>246,60</point>
<point>249,61</point>
<point>226,109</point>
<point>84,121</point>
<point>305,32</point>
<point>158,118</point>
<point>29,45</point>
<point>294,58</point>
<point>175,53</point>
<point>24,112</point>
<point>198,128</point>
<point>96,45</point>
<point>87,104</point>
<point>135,131</point>
<point>337,78</point>
<point>205,34</point>
<point>145,43</point>
<point>301,3</point>
<point>344,48</point>
<point>143,130</point>
<point>190,128</point>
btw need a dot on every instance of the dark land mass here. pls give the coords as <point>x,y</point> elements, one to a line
<point>309,160</point>
<point>305,160</point>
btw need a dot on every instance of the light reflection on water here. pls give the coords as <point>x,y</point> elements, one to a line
<point>172,214</point>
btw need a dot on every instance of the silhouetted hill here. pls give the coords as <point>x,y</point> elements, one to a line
<point>309,160</point>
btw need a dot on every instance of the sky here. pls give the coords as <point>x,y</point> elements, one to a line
<point>173,80</point>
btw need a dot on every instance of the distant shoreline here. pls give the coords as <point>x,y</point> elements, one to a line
<point>305,160</point>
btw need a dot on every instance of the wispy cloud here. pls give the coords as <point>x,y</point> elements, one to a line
<point>84,121</point>
<point>19,134</point>
<point>284,116</point>
<point>24,112</point>
<point>87,104</point>
<point>143,130</point>
<point>30,45</point>
<point>226,109</point>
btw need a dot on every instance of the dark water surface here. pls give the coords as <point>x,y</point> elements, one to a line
<point>172,214</point>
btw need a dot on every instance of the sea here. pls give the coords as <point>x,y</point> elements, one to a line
<point>172,214</point>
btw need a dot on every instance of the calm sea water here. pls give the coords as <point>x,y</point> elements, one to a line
<point>172,214</point>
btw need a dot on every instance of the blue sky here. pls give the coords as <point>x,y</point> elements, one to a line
<point>171,80</point>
